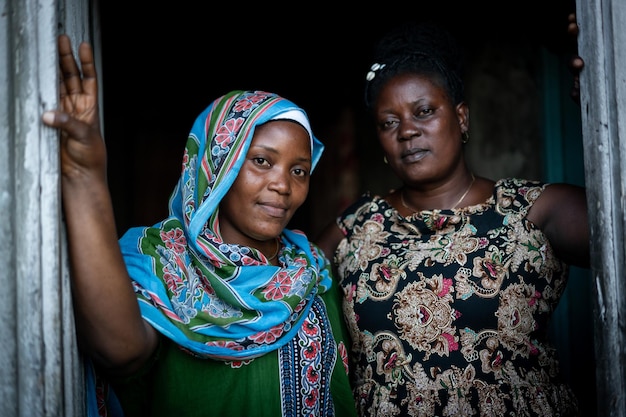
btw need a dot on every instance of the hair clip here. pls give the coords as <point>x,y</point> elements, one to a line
<point>372,73</point>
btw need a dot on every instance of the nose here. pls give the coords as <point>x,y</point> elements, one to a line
<point>408,129</point>
<point>279,181</point>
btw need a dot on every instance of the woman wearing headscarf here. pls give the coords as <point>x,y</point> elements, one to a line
<point>218,309</point>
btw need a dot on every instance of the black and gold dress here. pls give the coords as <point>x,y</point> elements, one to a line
<point>448,310</point>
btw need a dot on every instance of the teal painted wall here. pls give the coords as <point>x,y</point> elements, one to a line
<point>572,326</point>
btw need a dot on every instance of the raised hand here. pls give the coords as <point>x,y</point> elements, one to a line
<point>108,320</point>
<point>82,146</point>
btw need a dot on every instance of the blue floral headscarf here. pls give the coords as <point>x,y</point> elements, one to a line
<point>216,299</point>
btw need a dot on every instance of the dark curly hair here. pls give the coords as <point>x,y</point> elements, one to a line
<point>417,48</point>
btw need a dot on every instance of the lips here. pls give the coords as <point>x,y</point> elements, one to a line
<point>274,209</point>
<point>414,154</point>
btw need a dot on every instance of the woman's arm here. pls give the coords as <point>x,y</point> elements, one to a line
<point>561,212</point>
<point>109,324</point>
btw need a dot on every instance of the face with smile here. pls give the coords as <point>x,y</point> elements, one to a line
<point>419,128</point>
<point>272,183</point>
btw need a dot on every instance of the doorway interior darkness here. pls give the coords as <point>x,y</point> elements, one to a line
<point>162,66</point>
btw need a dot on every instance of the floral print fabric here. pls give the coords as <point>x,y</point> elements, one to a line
<point>268,336</point>
<point>448,310</point>
<point>216,299</point>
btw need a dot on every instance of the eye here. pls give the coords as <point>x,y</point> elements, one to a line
<point>387,124</point>
<point>425,111</point>
<point>300,172</point>
<point>261,161</point>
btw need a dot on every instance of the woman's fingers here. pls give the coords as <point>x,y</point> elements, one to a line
<point>576,63</point>
<point>69,69</point>
<point>72,127</point>
<point>89,78</point>
<point>572,26</point>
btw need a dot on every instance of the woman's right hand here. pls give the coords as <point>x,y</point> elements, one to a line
<point>108,321</point>
<point>82,146</point>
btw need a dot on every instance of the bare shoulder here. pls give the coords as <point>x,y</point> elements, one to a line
<point>558,200</point>
<point>561,213</point>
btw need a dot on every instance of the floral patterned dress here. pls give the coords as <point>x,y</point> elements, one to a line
<point>448,310</point>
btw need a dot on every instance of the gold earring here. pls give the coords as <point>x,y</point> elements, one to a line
<point>465,138</point>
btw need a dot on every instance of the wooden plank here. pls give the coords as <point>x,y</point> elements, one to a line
<point>602,44</point>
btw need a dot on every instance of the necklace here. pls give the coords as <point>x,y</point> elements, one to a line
<point>455,204</point>
<point>276,251</point>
